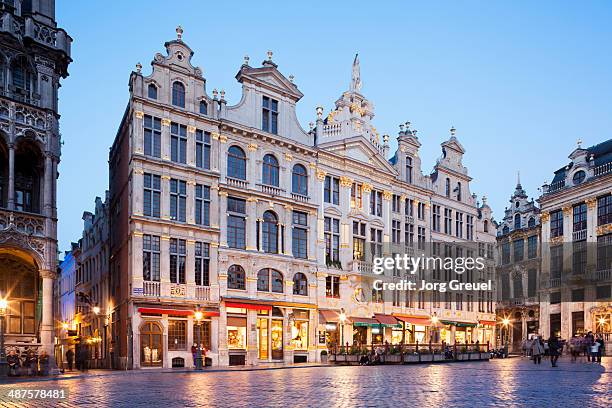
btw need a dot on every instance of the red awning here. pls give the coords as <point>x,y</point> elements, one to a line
<point>249,306</point>
<point>417,320</point>
<point>386,320</point>
<point>176,312</point>
<point>487,322</point>
<point>329,316</point>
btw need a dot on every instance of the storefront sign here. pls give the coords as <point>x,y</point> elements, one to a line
<point>137,291</point>
<point>321,337</point>
<point>177,291</point>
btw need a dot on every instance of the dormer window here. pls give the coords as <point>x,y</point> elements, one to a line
<point>517,221</point>
<point>178,94</point>
<point>203,108</point>
<point>458,191</point>
<point>152,91</point>
<point>409,169</point>
<point>269,115</point>
<point>579,177</point>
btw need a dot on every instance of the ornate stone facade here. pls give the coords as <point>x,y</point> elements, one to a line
<point>34,56</point>
<point>277,214</point>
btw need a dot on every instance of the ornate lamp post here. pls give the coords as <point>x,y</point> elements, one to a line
<point>342,318</point>
<point>3,363</point>
<point>434,322</point>
<point>198,316</point>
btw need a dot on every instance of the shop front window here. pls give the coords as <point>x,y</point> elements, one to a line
<point>236,333</point>
<point>299,334</point>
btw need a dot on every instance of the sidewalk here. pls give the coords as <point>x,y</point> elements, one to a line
<point>70,375</point>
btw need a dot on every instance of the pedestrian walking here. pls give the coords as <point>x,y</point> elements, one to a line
<point>194,353</point>
<point>69,358</point>
<point>537,349</point>
<point>589,339</point>
<point>554,349</point>
<point>601,350</point>
<point>595,352</point>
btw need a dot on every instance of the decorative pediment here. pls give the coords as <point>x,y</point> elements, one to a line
<point>358,148</point>
<point>268,76</point>
<point>333,211</point>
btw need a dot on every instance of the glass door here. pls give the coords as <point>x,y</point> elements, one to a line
<point>151,351</point>
<point>262,338</point>
<point>276,333</point>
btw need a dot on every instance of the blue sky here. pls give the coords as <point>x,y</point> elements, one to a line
<point>521,81</point>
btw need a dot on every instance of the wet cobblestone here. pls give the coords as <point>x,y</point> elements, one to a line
<point>507,383</point>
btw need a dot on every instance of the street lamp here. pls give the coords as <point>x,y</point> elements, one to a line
<point>506,323</point>
<point>3,363</point>
<point>198,316</point>
<point>342,318</point>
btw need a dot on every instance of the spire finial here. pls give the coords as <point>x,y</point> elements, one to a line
<point>246,60</point>
<point>269,55</point>
<point>179,33</point>
<point>453,131</point>
<point>356,77</point>
<point>291,78</point>
<point>579,143</point>
<point>138,67</point>
<point>518,178</point>
<point>407,125</point>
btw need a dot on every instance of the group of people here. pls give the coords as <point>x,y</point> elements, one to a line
<point>27,362</point>
<point>587,345</point>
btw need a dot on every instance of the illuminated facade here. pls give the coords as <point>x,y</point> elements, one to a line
<point>240,213</point>
<point>34,57</point>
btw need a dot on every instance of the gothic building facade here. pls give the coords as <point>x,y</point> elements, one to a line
<point>263,226</point>
<point>518,272</point>
<point>34,57</point>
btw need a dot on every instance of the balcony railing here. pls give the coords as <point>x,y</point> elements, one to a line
<point>579,235</point>
<point>151,289</point>
<point>603,169</point>
<point>602,275</point>
<point>554,282</point>
<point>27,223</point>
<point>272,190</point>
<point>362,266</point>
<point>557,185</point>
<point>202,293</point>
<point>300,198</point>
<point>236,182</point>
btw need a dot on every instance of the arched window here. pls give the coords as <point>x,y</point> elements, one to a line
<point>459,191</point>
<point>270,278</point>
<point>517,221</point>
<point>505,230</point>
<point>178,94</point>
<point>270,170</point>
<point>151,344</point>
<point>299,180</point>
<point>448,187</point>
<point>300,284</point>
<point>236,277</point>
<point>531,222</point>
<point>486,226</point>
<point>236,163</point>
<point>152,90</point>
<point>270,233</point>
<point>203,108</point>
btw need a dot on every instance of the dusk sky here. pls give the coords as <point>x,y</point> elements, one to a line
<point>520,81</point>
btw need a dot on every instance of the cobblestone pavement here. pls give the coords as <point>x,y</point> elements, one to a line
<point>508,383</point>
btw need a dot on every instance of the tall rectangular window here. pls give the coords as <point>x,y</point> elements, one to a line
<point>556,261</point>
<point>152,195</point>
<point>269,115</point>
<point>395,203</point>
<point>202,204</point>
<point>421,237</point>
<point>332,286</point>
<point>236,223</point>
<point>150,258</point>
<point>331,190</point>
<point>421,211</point>
<point>202,264</point>
<point>505,253</point>
<point>300,235</point>
<point>470,227</point>
<point>556,223</point>
<point>519,249</point>
<point>448,221</point>
<point>376,241</point>
<point>396,231</point>
<point>436,218</point>
<point>604,252</point>
<point>376,198</point>
<point>178,200</point>
<point>409,207</point>
<point>409,235</point>
<point>359,232</point>
<point>332,240</point>
<point>532,246</point>
<point>177,260</point>
<point>357,196</point>
<point>178,143</point>
<point>580,217</point>
<point>604,210</point>
<point>409,169</point>
<point>202,146</point>
<point>458,224</point>
<point>152,136</point>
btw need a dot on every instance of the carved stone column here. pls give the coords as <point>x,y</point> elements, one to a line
<point>223,218</point>
<point>46,328</point>
<point>11,178</point>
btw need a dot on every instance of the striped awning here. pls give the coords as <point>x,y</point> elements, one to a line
<point>416,320</point>
<point>386,320</point>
